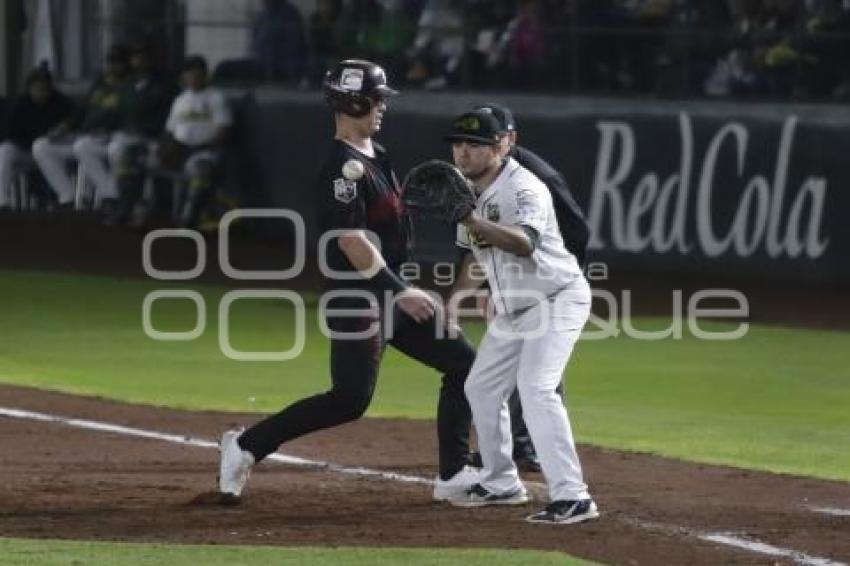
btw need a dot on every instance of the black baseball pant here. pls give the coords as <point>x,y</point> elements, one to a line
<point>354,373</point>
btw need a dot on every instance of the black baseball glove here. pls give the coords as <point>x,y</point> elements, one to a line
<point>438,189</point>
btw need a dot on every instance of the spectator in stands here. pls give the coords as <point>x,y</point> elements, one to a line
<point>700,33</point>
<point>777,55</point>
<point>736,71</point>
<point>131,149</point>
<point>279,42</point>
<point>486,22</point>
<point>323,37</point>
<point>826,40</point>
<point>647,21</point>
<point>561,18</point>
<point>526,44</point>
<point>392,34</point>
<point>34,113</point>
<point>85,137</point>
<point>438,47</point>
<point>196,132</point>
<point>357,28</point>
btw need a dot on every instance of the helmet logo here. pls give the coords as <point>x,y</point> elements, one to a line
<point>351,80</point>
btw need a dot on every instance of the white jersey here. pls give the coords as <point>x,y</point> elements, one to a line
<point>518,197</point>
<point>195,117</point>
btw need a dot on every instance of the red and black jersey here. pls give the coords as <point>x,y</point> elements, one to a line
<point>372,202</point>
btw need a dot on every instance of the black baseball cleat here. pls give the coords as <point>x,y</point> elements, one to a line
<point>565,512</point>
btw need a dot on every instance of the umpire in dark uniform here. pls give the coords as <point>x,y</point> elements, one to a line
<point>358,192</point>
<point>575,232</point>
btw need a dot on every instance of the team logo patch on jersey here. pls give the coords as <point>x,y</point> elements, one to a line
<point>345,191</point>
<point>480,243</point>
<point>492,211</point>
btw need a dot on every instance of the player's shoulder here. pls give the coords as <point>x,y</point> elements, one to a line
<point>213,93</point>
<point>341,152</point>
<point>523,178</point>
<point>184,96</point>
<point>534,162</point>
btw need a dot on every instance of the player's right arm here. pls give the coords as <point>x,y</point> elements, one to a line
<point>345,209</point>
<point>369,262</point>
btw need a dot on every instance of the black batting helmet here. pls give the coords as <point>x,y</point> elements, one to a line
<point>351,85</point>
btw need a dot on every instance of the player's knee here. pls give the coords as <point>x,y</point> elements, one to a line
<point>130,160</point>
<point>473,389</point>
<point>82,146</point>
<point>199,166</point>
<point>457,369</point>
<point>40,147</point>
<point>533,392</point>
<point>200,175</point>
<point>463,365</point>
<point>350,406</point>
<point>456,379</point>
<point>7,151</point>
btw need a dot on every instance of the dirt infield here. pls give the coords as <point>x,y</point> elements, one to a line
<point>64,482</point>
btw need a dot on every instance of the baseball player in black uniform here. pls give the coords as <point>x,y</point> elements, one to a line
<point>575,232</point>
<point>359,192</point>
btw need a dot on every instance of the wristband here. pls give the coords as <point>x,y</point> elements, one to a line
<point>532,234</point>
<point>386,280</point>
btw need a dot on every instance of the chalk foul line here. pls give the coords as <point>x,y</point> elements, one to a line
<point>727,539</point>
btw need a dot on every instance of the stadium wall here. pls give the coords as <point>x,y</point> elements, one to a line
<point>754,190</point>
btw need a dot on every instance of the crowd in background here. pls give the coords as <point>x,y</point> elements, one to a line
<point>104,151</point>
<point>137,124</point>
<point>668,47</point>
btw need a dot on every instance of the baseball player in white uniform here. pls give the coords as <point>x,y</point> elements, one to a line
<point>542,302</point>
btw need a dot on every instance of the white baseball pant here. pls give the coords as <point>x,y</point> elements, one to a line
<point>529,351</point>
<point>12,161</point>
<point>89,151</point>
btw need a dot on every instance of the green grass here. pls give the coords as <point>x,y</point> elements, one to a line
<point>776,399</point>
<point>23,552</point>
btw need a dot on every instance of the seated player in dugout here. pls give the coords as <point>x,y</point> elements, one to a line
<point>358,192</point>
<point>196,131</point>
<point>36,111</point>
<point>575,233</point>
<point>132,150</point>
<point>84,137</point>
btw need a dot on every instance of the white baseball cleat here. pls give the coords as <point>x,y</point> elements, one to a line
<point>457,485</point>
<point>479,496</point>
<point>235,466</point>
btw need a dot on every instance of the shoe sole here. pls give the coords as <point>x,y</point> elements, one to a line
<point>443,499</point>
<point>514,500</point>
<point>568,521</point>
<point>450,495</point>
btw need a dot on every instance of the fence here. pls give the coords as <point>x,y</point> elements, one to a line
<point>583,50</point>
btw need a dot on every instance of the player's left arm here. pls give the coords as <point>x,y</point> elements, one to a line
<point>514,238</point>
<point>524,222</point>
